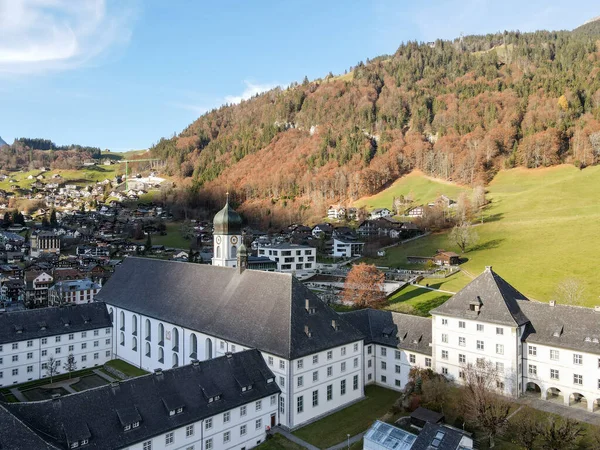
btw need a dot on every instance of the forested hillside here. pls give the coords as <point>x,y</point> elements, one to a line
<point>458,110</point>
<point>27,153</point>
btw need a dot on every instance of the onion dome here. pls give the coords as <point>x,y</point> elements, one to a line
<point>227,221</point>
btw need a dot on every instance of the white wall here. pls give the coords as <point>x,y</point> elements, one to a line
<point>380,365</point>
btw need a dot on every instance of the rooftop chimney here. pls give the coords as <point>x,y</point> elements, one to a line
<point>488,268</point>
<point>307,331</point>
<point>229,354</point>
<point>552,302</point>
<point>334,325</point>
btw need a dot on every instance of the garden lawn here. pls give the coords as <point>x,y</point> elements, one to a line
<point>453,283</point>
<point>173,238</point>
<point>352,420</point>
<point>421,188</point>
<point>126,368</point>
<point>540,228</point>
<point>416,300</point>
<point>278,442</point>
<point>89,382</point>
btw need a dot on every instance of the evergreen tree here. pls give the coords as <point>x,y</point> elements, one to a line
<point>53,220</point>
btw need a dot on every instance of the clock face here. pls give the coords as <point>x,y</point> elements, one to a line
<point>234,240</point>
<point>218,239</point>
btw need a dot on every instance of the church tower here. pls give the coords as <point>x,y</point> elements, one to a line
<point>227,236</point>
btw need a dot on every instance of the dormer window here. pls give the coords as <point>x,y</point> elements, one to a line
<point>75,445</point>
<point>135,424</point>
<point>127,428</point>
<point>307,331</point>
<point>270,380</point>
<point>179,410</point>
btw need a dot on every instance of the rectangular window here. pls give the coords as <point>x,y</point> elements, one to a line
<point>444,354</point>
<point>315,359</point>
<point>71,336</point>
<point>343,366</point>
<point>355,362</point>
<point>96,343</point>
<point>71,348</point>
<point>226,417</point>
<point>383,351</point>
<point>554,355</point>
<point>329,355</point>
<point>461,324</point>
<point>96,332</point>
<point>300,404</point>
<point>282,364</point>
<point>57,339</point>
<point>29,343</point>
<point>300,363</point>
<point>356,347</point>
<point>270,360</point>
<point>273,400</point>
<point>427,362</point>
<point>369,350</point>
<point>108,353</point>
<point>383,379</point>
<point>226,436</point>
<point>208,424</point>
<point>500,367</point>
<point>315,398</point>
<point>577,359</point>
<point>383,365</point>
<point>499,349</point>
<point>315,375</point>
<point>15,346</point>
<point>84,358</point>
<point>397,368</point>
<point>44,341</point>
<point>462,359</point>
<point>29,369</point>
<point>499,330</point>
<point>355,383</point>
<point>343,351</point>
<point>258,405</point>
<point>444,338</point>
<point>15,372</point>
<point>147,445</point>
<point>281,382</point>
<point>44,352</point>
<point>169,438</point>
<point>397,354</point>
<point>281,405</point>
<point>189,430</point>
<point>444,371</point>
<point>532,370</point>
<point>532,350</point>
<point>96,355</point>
<point>369,363</point>
<point>462,341</point>
<point>397,383</point>
<point>554,374</point>
<point>242,411</point>
<point>412,359</point>
<point>577,379</point>
<point>30,355</point>
<point>343,387</point>
<point>258,424</point>
<point>444,321</point>
<point>480,327</point>
<point>480,345</point>
<point>208,445</point>
<point>243,430</point>
<point>83,346</point>
<point>330,371</point>
<point>84,334</point>
<point>329,392</point>
<point>300,381</point>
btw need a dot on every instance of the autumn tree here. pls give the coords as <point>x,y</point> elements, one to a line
<point>464,209</point>
<point>483,404</point>
<point>435,393</point>
<point>526,429</point>
<point>70,364</point>
<point>463,236</point>
<point>52,367</point>
<point>364,286</point>
<point>561,434</point>
<point>570,291</point>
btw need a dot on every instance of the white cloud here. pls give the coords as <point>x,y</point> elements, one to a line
<point>48,35</point>
<point>251,90</point>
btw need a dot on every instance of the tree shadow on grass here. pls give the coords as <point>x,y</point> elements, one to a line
<point>488,245</point>
<point>493,217</point>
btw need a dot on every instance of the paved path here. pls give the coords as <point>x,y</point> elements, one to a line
<point>105,376</point>
<point>571,412</point>
<point>18,394</point>
<point>293,438</point>
<point>434,289</point>
<point>344,444</point>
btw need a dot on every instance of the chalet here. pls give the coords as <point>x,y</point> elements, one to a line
<point>322,229</point>
<point>379,213</point>
<point>415,211</point>
<point>336,212</point>
<point>443,258</point>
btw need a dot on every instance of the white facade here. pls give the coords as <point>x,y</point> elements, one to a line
<point>291,258</point>
<point>153,344</point>
<point>336,212</point>
<point>379,213</point>
<point>242,427</point>
<point>74,292</point>
<point>23,361</point>
<point>347,249</point>
<point>225,249</point>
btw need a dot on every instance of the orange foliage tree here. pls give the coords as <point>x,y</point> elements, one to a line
<point>364,286</point>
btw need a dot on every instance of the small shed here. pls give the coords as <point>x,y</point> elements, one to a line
<point>420,416</point>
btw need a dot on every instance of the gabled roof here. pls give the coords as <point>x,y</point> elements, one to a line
<point>15,435</point>
<point>103,413</point>
<point>263,310</point>
<point>562,326</point>
<point>38,323</point>
<point>495,298</point>
<point>393,329</point>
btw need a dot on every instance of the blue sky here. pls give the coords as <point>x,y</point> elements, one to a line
<point>120,74</point>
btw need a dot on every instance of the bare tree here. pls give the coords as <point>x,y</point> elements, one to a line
<point>70,365</point>
<point>464,209</point>
<point>483,404</point>
<point>595,142</point>
<point>435,393</point>
<point>570,291</point>
<point>478,196</point>
<point>526,429</point>
<point>561,434</point>
<point>52,366</point>
<point>463,236</point>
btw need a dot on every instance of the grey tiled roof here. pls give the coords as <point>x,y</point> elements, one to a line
<point>498,300</point>
<point>37,323</point>
<point>263,310</point>
<point>562,326</point>
<point>393,329</point>
<point>449,438</point>
<point>101,414</point>
<point>15,435</point>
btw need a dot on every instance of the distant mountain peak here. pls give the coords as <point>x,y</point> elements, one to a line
<point>2,142</point>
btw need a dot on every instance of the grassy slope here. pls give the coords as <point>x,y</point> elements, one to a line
<point>81,176</point>
<point>541,228</point>
<point>423,189</point>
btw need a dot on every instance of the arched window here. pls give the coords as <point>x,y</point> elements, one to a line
<point>218,251</point>
<point>208,348</point>
<point>134,344</point>
<point>122,338</point>
<point>161,355</point>
<point>175,339</point>
<point>134,325</point>
<point>234,252</point>
<point>175,360</point>
<point>193,346</point>
<point>148,350</point>
<point>148,330</point>
<point>161,334</point>
<point>122,317</point>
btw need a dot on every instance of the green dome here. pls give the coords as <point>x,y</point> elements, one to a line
<point>227,221</point>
